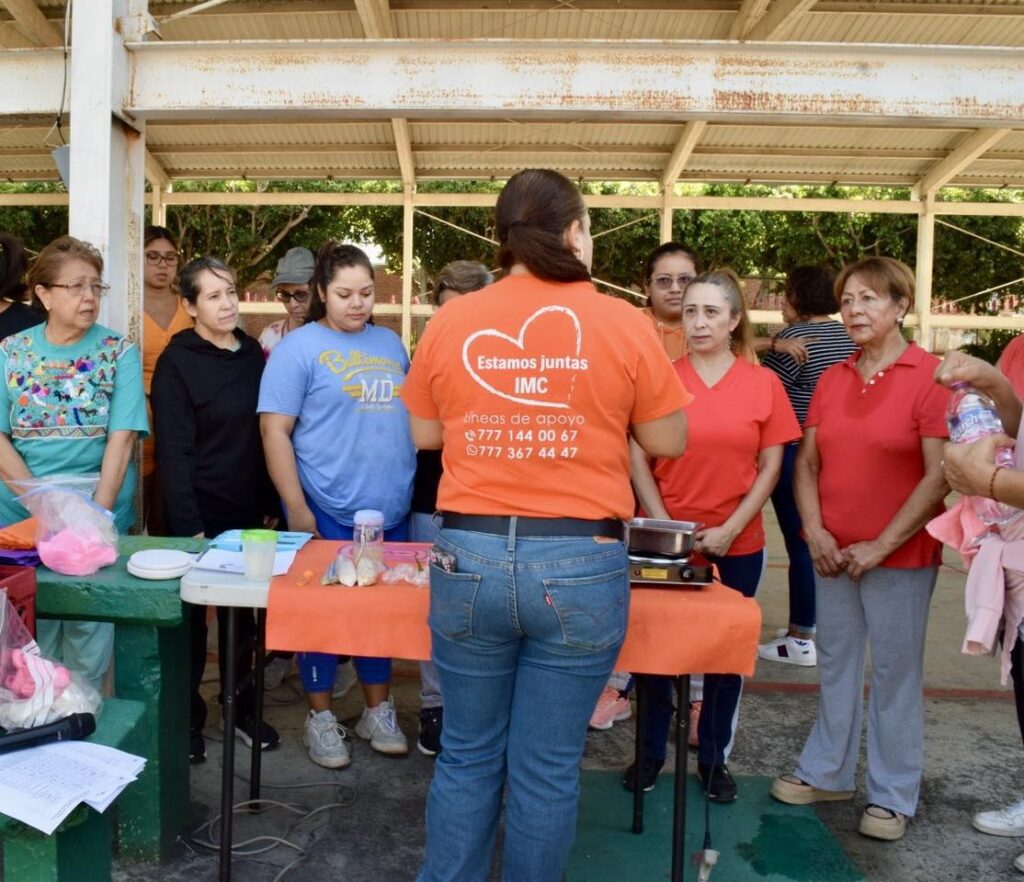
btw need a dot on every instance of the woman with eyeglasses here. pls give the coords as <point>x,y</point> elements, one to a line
<point>669,268</point>
<point>163,315</point>
<point>291,287</point>
<point>71,403</point>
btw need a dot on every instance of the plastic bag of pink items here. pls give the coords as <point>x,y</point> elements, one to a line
<point>35,690</point>
<point>74,535</point>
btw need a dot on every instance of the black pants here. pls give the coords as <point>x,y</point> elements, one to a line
<point>1017,675</point>
<point>246,635</point>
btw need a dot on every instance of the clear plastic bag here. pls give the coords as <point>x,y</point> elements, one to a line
<point>74,535</point>
<point>35,690</point>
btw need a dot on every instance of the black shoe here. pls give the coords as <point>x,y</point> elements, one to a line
<point>720,787</point>
<point>647,780</point>
<point>246,730</point>
<point>196,748</point>
<point>431,721</point>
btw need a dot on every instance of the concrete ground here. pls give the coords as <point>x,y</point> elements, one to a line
<point>376,831</point>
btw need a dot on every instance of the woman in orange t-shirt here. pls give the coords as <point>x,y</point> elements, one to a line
<point>739,421</point>
<point>163,315</point>
<point>669,268</point>
<point>530,387</point>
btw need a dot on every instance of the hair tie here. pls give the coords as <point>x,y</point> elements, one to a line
<point>518,223</point>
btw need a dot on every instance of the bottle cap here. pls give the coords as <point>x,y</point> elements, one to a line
<point>368,517</point>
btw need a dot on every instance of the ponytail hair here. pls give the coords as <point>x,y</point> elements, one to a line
<point>534,210</point>
<point>731,287</point>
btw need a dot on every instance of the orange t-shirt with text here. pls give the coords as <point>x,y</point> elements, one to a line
<point>536,384</point>
<point>729,424</point>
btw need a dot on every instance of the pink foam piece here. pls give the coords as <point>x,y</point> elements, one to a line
<point>76,553</point>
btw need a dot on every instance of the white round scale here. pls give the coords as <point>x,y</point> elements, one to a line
<point>160,563</point>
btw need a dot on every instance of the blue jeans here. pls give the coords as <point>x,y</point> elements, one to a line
<point>317,670</point>
<point>423,528</point>
<point>525,634</point>
<point>743,573</point>
<point>801,570</point>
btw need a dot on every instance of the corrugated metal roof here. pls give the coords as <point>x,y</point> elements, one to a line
<point>586,146</point>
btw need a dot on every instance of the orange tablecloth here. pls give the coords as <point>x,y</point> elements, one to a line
<point>711,630</point>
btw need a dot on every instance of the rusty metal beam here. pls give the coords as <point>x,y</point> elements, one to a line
<point>965,153</point>
<point>879,85</point>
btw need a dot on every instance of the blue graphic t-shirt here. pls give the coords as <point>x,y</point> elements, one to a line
<point>59,403</point>
<point>351,435</point>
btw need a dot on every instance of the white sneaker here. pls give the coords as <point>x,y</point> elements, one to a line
<point>379,726</point>
<point>275,672</point>
<point>326,740</point>
<point>1007,821</point>
<point>1018,862</point>
<point>345,680</point>
<point>789,651</point>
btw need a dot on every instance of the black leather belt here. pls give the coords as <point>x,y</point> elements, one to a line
<point>499,525</point>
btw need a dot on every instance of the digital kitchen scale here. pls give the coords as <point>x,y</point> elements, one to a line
<point>668,572</point>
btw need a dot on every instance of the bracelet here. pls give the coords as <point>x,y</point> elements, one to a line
<point>992,484</point>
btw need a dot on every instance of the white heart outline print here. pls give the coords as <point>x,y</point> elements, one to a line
<point>518,343</point>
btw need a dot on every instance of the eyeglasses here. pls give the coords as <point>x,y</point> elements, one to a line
<point>155,258</point>
<point>298,296</point>
<point>78,289</point>
<point>665,283</point>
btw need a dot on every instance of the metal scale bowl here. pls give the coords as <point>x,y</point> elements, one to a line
<point>659,553</point>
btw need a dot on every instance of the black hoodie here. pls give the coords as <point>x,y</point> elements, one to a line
<point>209,452</point>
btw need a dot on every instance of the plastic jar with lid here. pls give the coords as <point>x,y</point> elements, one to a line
<point>368,534</point>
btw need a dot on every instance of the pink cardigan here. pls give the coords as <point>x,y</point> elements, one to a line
<point>994,595</point>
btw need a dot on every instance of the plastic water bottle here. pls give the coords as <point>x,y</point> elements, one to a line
<point>972,415</point>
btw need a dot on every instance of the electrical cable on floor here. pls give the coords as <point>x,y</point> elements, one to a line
<point>203,837</point>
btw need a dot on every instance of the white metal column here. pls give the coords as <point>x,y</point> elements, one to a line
<point>408,218</point>
<point>923,269</point>
<point>107,157</point>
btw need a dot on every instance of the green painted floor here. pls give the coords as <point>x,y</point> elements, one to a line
<point>759,839</point>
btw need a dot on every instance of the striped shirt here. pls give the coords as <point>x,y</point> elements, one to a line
<point>831,344</point>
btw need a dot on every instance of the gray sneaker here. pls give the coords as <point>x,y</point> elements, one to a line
<point>379,726</point>
<point>275,672</point>
<point>345,680</point>
<point>325,739</point>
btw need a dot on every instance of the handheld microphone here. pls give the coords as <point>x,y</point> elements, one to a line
<point>70,728</point>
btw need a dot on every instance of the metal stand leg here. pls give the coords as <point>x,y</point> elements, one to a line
<point>257,743</point>
<point>640,754</point>
<point>227,781</point>
<point>682,763</point>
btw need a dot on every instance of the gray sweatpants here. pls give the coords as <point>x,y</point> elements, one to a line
<point>888,610</point>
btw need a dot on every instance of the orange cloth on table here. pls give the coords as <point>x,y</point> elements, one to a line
<point>868,436</point>
<point>537,383</point>
<point>673,340</point>
<point>19,536</point>
<point>671,631</point>
<point>154,342</point>
<point>746,411</point>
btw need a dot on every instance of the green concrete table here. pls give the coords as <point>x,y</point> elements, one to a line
<point>151,652</point>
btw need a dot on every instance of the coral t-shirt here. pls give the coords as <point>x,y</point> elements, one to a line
<point>729,424</point>
<point>1011,363</point>
<point>536,384</point>
<point>868,436</point>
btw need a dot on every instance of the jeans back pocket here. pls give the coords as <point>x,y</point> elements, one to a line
<point>452,600</point>
<point>592,610</point>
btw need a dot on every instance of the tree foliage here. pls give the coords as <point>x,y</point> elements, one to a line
<point>765,243</point>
